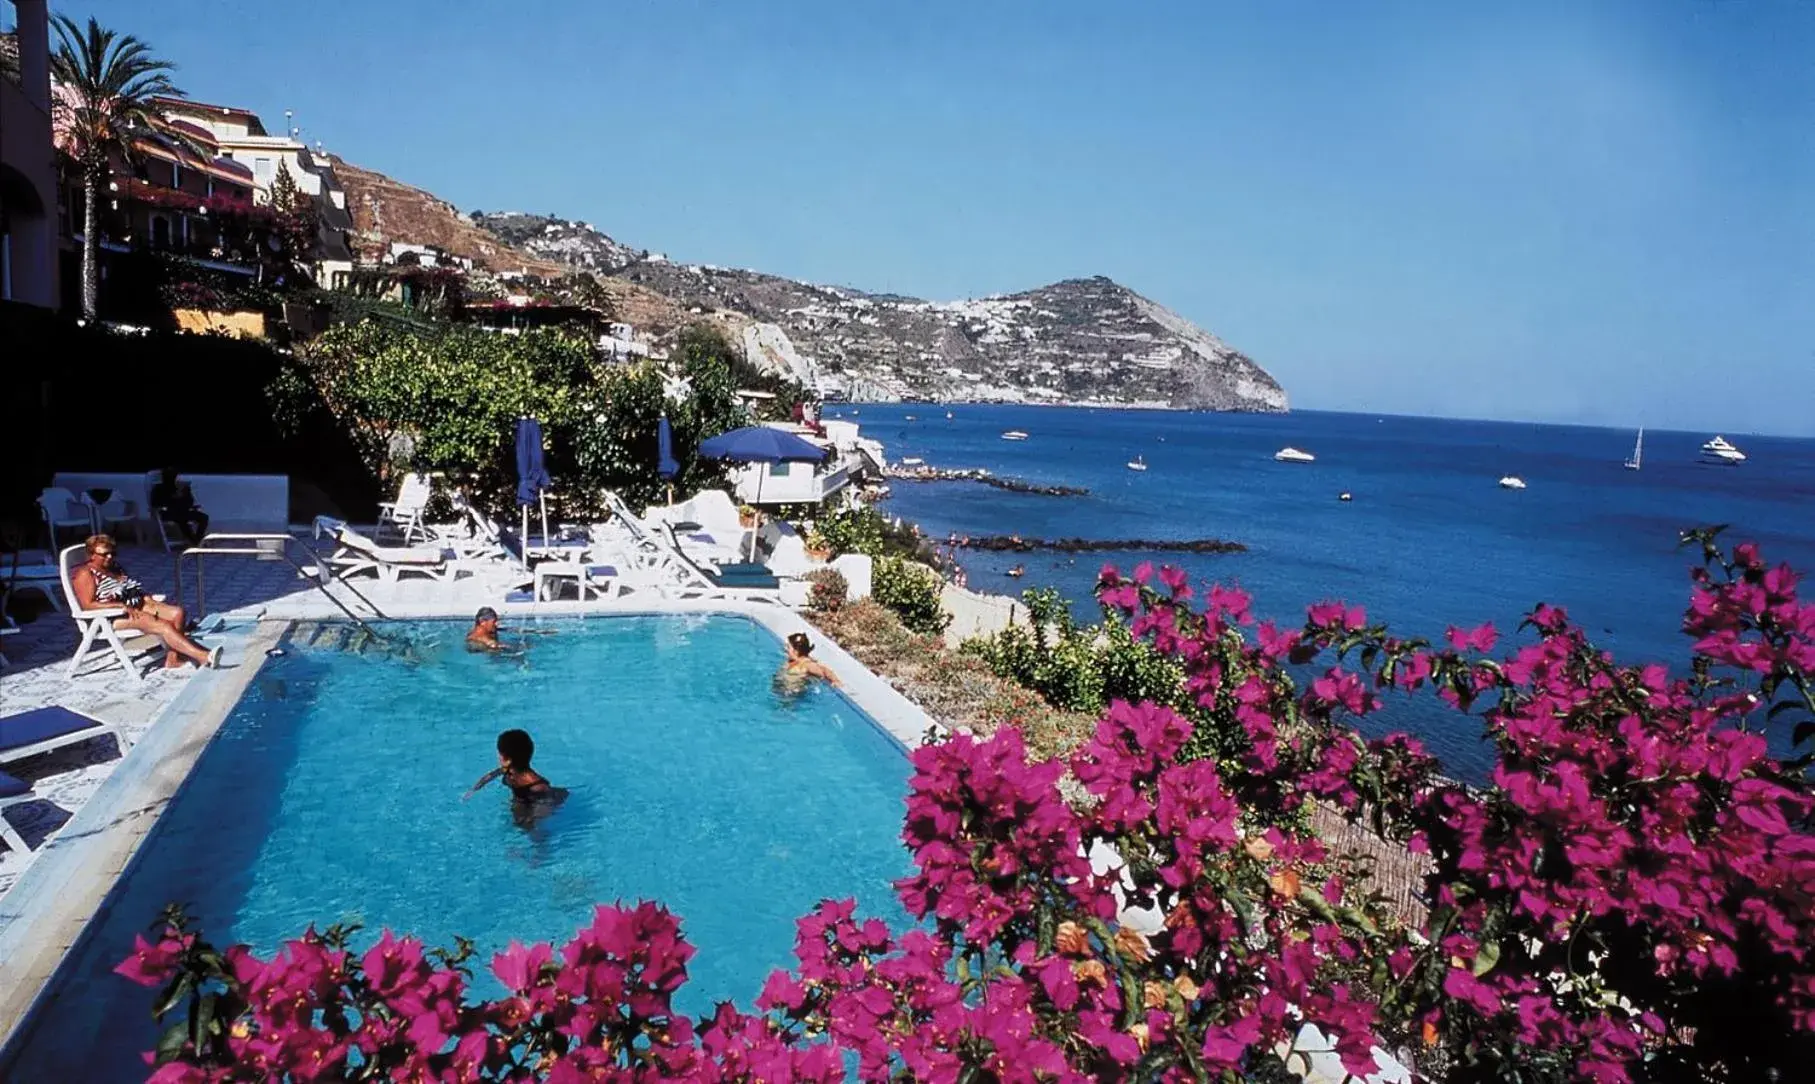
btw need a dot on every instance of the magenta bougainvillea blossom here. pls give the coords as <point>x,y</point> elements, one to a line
<point>1629,897</point>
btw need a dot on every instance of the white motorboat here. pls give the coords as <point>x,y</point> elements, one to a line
<point>1638,451</point>
<point>1293,455</point>
<point>1512,481</point>
<point>1345,495</point>
<point>1137,463</point>
<point>1719,450</point>
<point>948,415</point>
<point>1014,434</point>
<point>912,461</point>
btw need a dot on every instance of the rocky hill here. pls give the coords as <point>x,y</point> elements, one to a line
<point>385,210</point>
<point>578,245</point>
<point>1078,341</point>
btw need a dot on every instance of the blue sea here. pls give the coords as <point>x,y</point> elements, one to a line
<point>1428,540</point>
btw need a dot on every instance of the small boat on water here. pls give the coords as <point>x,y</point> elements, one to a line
<point>1719,450</point>
<point>1512,481</point>
<point>1137,463</point>
<point>1638,452</point>
<point>912,461</point>
<point>948,415</point>
<point>1014,434</point>
<point>1016,572</point>
<point>1293,455</point>
<point>908,417</point>
<point>1345,495</point>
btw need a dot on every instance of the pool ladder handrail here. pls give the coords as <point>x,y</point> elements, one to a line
<point>208,548</point>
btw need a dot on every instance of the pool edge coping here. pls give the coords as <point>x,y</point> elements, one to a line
<point>39,927</point>
<point>50,908</point>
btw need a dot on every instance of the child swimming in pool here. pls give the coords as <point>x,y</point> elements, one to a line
<point>801,667</point>
<point>531,795</point>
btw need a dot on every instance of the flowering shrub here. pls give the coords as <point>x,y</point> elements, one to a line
<point>828,591</point>
<point>1629,899</point>
<point>912,590</point>
<point>1078,668</point>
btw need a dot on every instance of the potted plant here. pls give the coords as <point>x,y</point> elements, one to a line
<point>819,547</point>
<point>746,515</point>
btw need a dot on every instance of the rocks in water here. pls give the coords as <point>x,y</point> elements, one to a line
<point>923,473</point>
<point>1017,544</point>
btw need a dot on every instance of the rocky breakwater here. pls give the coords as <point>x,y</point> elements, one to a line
<point>978,474</point>
<point>1014,543</point>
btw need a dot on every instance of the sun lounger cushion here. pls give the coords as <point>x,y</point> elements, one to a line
<point>746,579</point>
<point>745,569</point>
<point>601,570</point>
<point>42,724</point>
<point>11,787</point>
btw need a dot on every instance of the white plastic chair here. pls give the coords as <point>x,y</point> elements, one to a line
<point>99,637</point>
<point>404,516</point>
<point>62,509</point>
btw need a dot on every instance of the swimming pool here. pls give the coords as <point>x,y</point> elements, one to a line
<point>332,793</point>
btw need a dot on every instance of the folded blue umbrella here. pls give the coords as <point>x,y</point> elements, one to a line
<point>532,476</point>
<point>664,450</point>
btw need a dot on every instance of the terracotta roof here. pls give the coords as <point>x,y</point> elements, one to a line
<point>190,105</point>
<point>193,131</point>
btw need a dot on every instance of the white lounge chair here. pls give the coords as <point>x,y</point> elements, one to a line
<point>12,792</point>
<point>476,537</point>
<point>358,555</point>
<point>30,733</point>
<point>62,510</point>
<point>99,637</point>
<point>404,516</point>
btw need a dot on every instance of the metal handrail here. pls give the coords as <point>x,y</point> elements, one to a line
<point>204,549</point>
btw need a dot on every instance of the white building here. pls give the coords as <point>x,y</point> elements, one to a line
<point>852,458</point>
<point>405,252</point>
<point>241,136</point>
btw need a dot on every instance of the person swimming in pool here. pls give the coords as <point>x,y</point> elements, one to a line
<point>484,634</point>
<point>531,795</point>
<point>800,667</point>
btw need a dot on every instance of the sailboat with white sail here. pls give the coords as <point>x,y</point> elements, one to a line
<point>1637,458</point>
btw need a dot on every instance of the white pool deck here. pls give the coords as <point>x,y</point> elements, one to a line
<point>96,805</point>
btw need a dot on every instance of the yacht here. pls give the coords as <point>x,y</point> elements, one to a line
<point>1014,434</point>
<point>1345,495</point>
<point>1137,463</point>
<point>912,461</point>
<point>1512,481</point>
<point>1719,451</point>
<point>1293,455</point>
<point>1638,452</point>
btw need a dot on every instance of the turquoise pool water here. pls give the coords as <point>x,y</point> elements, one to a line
<point>332,793</point>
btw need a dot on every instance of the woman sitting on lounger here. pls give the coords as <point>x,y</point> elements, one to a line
<point>100,583</point>
<point>800,666</point>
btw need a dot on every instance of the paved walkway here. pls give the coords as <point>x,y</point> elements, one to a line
<point>38,658</point>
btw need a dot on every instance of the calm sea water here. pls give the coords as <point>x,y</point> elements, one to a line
<point>1429,539</point>
<point>333,794</point>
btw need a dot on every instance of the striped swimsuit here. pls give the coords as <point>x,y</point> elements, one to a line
<point>110,587</point>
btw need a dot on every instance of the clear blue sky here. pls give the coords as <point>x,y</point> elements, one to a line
<point>1582,210</point>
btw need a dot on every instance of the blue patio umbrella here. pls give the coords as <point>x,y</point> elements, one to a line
<point>761,444</point>
<point>532,476</point>
<point>665,464</point>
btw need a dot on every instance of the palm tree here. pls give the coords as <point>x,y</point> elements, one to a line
<point>106,83</point>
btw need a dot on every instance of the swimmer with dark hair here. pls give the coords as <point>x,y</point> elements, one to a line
<point>801,666</point>
<point>531,794</point>
<point>484,633</point>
